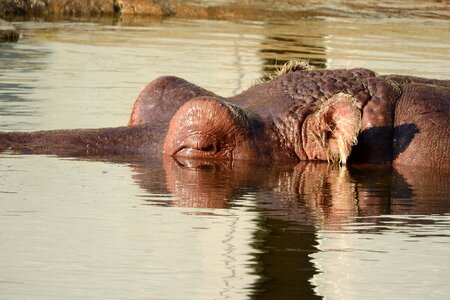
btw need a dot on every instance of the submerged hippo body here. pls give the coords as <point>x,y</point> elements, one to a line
<point>335,115</point>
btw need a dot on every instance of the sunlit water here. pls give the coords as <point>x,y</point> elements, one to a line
<point>98,229</point>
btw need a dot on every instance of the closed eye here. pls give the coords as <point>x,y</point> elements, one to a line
<point>198,145</point>
<point>209,148</point>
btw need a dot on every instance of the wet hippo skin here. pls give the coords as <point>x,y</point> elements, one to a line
<point>354,116</point>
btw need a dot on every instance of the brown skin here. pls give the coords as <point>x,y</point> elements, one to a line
<point>302,115</point>
<point>319,115</point>
<point>145,140</point>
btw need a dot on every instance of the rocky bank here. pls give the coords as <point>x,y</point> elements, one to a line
<point>8,33</point>
<point>225,9</point>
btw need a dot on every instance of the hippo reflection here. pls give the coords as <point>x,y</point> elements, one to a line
<point>301,114</point>
<point>305,193</point>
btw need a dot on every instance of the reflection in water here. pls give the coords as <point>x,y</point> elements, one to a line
<point>285,42</point>
<point>16,88</point>
<point>295,203</point>
<point>279,49</point>
<point>308,192</point>
<point>225,229</point>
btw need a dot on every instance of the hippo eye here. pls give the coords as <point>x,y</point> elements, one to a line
<point>209,148</point>
<point>198,144</point>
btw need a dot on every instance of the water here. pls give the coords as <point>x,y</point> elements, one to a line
<point>133,228</point>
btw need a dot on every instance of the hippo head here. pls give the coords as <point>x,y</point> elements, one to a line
<point>300,114</point>
<point>206,127</point>
<point>212,128</point>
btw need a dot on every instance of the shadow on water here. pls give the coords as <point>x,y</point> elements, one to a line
<point>277,49</point>
<point>292,203</point>
<point>298,47</point>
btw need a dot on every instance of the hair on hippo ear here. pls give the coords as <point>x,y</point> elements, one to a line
<point>288,67</point>
<point>331,132</point>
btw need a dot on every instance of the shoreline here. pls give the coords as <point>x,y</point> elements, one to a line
<point>224,10</point>
<point>8,33</point>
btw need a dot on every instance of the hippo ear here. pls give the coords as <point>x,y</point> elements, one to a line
<point>331,132</point>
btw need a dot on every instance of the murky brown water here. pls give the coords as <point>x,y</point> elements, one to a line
<point>127,228</point>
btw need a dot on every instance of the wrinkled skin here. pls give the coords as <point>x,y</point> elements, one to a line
<point>336,115</point>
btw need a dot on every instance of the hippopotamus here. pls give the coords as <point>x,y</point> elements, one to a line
<point>342,115</point>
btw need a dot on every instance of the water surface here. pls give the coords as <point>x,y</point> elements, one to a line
<point>127,227</point>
